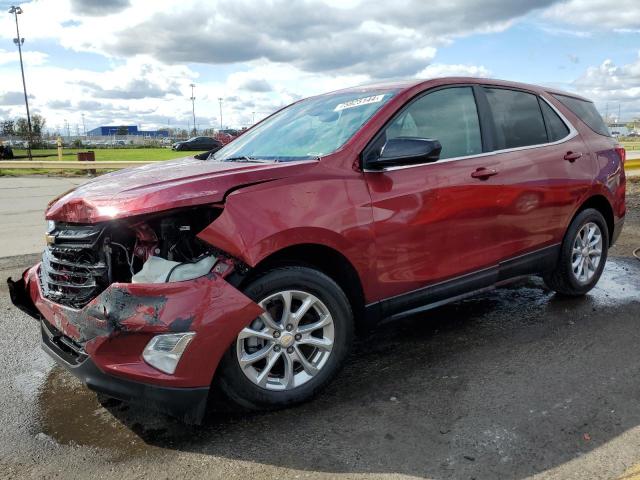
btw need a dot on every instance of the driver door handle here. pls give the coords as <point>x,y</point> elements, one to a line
<point>484,173</point>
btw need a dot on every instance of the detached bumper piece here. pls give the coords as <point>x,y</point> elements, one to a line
<point>187,404</point>
<point>20,298</point>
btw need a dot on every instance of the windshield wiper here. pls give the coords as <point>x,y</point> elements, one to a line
<point>247,159</point>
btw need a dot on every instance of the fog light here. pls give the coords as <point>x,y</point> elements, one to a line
<point>164,351</point>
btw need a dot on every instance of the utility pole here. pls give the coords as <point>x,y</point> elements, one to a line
<point>619,120</point>
<point>84,127</point>
<point>193,108</point>
<point>19,41</point>
<point>220,101</point>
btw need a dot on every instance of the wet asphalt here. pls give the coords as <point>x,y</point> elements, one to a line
<point>514,383</point>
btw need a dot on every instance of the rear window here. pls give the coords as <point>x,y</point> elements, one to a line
<point>556,128</point>
<point>586,111</point>
<point>517,117</point>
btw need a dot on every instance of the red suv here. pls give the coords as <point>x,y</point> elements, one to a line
<point>254,267</point>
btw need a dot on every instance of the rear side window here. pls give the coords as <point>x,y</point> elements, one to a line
<point>556,128</point>
<point>448,115</point>
<point>517,117</point>
<point>586,111</point>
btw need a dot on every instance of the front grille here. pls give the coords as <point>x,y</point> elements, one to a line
<point>74,270</point>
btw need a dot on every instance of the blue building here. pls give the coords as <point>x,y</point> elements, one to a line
<point>109,130</point>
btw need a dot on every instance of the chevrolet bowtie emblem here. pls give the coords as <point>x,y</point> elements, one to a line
<point>50,239</point>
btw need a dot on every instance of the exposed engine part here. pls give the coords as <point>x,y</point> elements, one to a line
<point>159,270</point>
<point>81,261</point>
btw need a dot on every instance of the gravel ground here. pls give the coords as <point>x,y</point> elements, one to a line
<point>516,383</point>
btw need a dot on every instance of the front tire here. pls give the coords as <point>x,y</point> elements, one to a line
<point>583,255</point>
<point>288,354</point>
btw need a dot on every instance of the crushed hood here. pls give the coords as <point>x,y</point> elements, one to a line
<point>162,186</point>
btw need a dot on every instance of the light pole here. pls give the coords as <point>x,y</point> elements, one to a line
<point>220,101</point>
<point>193,109</point>
<point>19,41</point>
<point>84,126</point>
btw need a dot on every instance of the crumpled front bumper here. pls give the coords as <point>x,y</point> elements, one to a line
<point>102,343</point>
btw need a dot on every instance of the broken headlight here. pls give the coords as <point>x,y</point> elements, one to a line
<point>164,351</point>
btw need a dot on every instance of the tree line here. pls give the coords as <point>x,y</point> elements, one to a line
<point>20,128</point>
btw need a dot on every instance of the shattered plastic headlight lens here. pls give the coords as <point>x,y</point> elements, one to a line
<point>164,351</point>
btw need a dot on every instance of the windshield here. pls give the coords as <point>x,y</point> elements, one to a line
<point>308,129</point>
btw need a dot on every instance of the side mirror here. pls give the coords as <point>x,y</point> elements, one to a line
<point>406,151</point>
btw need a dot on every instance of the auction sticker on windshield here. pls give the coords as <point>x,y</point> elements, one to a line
<point>358,102</point>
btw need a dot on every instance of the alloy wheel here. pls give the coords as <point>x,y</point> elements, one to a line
<point>586,252</point>
<point>289,343</point>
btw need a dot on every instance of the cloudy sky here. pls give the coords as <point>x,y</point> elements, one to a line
<point>131,61</point>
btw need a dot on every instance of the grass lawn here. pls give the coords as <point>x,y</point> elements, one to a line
<point>102,154</point>
<point>112,154</point>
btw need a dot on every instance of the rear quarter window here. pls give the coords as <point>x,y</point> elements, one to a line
<point>556,128</point>
<point>586,111</point>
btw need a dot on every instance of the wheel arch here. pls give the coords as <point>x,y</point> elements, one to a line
<point>600,203</point>
<point>324,259</point>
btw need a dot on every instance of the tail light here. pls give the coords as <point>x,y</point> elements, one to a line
<point>623,154</point>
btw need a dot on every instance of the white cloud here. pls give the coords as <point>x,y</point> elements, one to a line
<point>29,57</point>
<point>376,38</point>
<point>278,51</point>
<point>157,92</point>
<point>286,50</point>
<point>99,7</point>
<point>611,84</point>
<point>436,70</point>
<point>598,14</point>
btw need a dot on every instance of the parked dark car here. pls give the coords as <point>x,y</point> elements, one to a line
<point>198,144</point>
<point>6,153</point>
<point>252,269</point>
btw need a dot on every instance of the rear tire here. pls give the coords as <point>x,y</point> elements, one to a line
<point>297,361</point>
<point>583,255</point>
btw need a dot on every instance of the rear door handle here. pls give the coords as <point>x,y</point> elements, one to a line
<point>484,173</point>
<point>572,156</point>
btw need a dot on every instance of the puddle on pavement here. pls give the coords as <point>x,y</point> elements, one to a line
<point>71,414</point>
<point>620,282</point>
